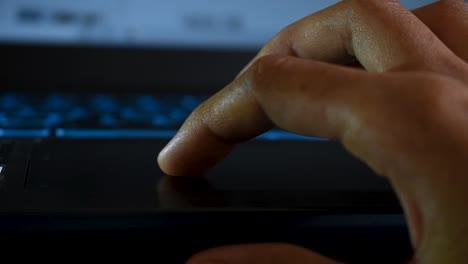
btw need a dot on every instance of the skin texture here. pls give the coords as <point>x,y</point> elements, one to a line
<point>403,111</point>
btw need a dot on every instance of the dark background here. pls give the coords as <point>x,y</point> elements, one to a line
<point>78,68</point>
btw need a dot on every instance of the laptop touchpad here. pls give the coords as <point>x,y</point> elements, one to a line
<point>127,169</point>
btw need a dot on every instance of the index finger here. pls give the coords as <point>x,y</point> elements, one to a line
<point>381,34</point>
<point>275,90</point>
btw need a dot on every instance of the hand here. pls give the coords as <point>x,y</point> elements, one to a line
<point>405,115</point>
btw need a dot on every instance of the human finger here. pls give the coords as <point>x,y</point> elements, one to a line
<point>448,19</point>
<point>302,96</point>
<point>381,35</point>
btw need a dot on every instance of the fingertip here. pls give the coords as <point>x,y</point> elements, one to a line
<point>190,154</point>
<point>163,160</point>
<point>169,160</point>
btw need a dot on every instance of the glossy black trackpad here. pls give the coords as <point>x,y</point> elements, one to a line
<point>125,173</point>
<point>93,165</point>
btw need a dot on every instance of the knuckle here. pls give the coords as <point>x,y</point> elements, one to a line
<point>418,98</point>
<point>265,69</point>
<point>435,96</point>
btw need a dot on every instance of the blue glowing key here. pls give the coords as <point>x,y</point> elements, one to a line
<point>52,119</point>
<point>178,115</point>
<point>108,120</point>
<point>23,133</point>
<point>129,113</point>
<point>190,102</point>
<point>114,133</point>
<point>104,103</point>
<point>57,102</point>
<point>76,114</point>
<point>25,111</point>
<point>149,103</point>
<point>161,120</point>
<point>9,101</point>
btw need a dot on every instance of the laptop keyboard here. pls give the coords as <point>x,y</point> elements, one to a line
<point>101,116</point>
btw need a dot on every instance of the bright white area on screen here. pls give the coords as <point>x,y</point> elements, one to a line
<point>206,23</point>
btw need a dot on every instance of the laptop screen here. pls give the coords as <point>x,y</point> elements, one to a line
<point>139,45</point>
<point>207,24</point>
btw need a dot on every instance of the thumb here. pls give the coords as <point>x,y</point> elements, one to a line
<point>259,254</point>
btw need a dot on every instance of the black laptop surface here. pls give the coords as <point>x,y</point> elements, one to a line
<point>91,94</point>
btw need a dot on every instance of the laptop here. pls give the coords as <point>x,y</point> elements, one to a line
<point>92,91</point>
